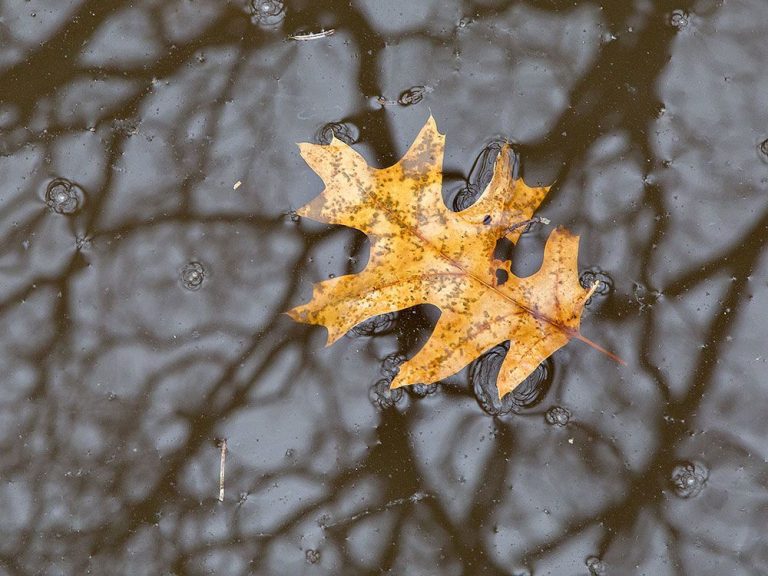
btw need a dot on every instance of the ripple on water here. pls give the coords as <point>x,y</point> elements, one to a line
<point>484,371</point>
<point>688,479</point>
<point>267,12</point>
<point>376,325</point>
<point>192,275</point>
<point>592,275</point>
<point>63,196</point>
<point>480,175</point>
<point>347,132</point>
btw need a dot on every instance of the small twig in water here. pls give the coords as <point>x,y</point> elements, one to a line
<point>312,35</point>
<point>414,498</point>
<point>534,220</point>
<point>223,445</point>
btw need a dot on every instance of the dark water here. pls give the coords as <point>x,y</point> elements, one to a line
<point>142,290</point>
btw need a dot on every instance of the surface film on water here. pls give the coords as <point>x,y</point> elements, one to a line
<point>161,414</point>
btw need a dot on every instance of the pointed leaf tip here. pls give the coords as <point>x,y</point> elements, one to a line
<point>421,253</point>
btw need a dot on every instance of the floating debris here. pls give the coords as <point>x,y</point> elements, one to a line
<point>223,445</point>
<point>413,95</point>
<point>303,36</point>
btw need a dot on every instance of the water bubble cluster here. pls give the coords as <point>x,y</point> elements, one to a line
<point>688,479</point>
<point>376,325</point>
<point>679,18</point>
<point>413,95</point>
<point>557,416</point>
<point>63,196</point>
<point>483,374</point>
<point>312,556</point>
<point>344,131</point>
<point>595,566</point>
<point>267,12</point>
<point>192,275</point>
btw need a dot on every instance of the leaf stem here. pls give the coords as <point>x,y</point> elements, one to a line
<point>599,348</point>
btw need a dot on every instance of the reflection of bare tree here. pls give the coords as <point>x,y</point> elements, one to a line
<point>118,380</point>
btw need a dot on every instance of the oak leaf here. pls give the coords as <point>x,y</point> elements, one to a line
<point>423,253</point>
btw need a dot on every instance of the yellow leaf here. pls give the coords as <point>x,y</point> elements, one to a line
<point>423,253</point>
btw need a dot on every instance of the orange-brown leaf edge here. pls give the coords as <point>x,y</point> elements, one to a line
<point>423,253</point>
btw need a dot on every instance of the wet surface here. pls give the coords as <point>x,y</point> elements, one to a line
<point>150,245</point>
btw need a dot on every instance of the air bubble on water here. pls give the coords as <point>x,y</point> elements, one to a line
<point>483,374</point>
<point>679,19</point>
<point>312,556</point>
<point>344,131</point>
<point>688,479</point>
<point>267,12</point>
<point>421,390</point>
<point>592,275</point>
<point>376,325</point>
<point>557,416</point>
<point>413,95</point>
<point>596,566</point>
<point>192,275</point>
<point>63,196</point>
<point>383,396</point>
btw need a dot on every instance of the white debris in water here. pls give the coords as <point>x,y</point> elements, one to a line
<point>237,185</point>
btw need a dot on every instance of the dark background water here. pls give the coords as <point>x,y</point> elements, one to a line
<point>141,296</point>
